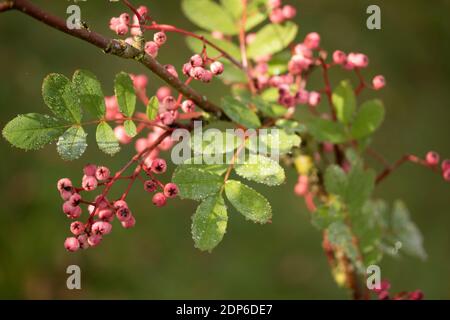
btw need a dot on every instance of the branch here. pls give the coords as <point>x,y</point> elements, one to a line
<point>115,47</point>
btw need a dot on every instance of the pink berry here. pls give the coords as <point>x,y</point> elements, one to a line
<point>71,244</point>
<point>446,175</point>
<point>65,195</point>
<point>120,204</point>
<point>339,57</point>
<point>169,103</point>
<point>113,22</point>
<point>143,11</point>
<point>130,223</point>
<point>302,97</point>
<point>77,228</point>
<point>121,135</point>
<point>216,68</point>
<point>187,67</point>
<point>163,92</point>
<point>94,240</point>
<point>196,60</point>
<point>250,38</point>
<point>64,184</point>
<point>159,166</point>
<point>171,190</point>
<point>197,73</point>
<point>159,199</point>
<point>432,158</point>
<point>121,29</point>
<point>358,60</point>
<point>301,188</point>
<point>171,69</point>
<point>102,173</point>
<point>83,240</point>
<point>89,170</point>
<point>416,295</point>
<point>312,40</point>
<point>167,118</point>
<point>101,227</point>
<point>75,199</point>
<point>71,211</point>
<point>160,38</point>
<point>207,76</point>
<point>125,18</point>
<point>123,214</point>
<point>276,15</point>
<point>151,48</point>
<point>314,98</point>
<point>274,3</point>
<point>188,106</point>
<point>445,165</point>
<point>106,215</point>
<point>141,144</point>
<point>378,82</point>
<point>150,185</point>
<point>289,12</point>
<point>89,183</point>
<point>140,81</point>
<point>101,202</point>
<point>136,29</point>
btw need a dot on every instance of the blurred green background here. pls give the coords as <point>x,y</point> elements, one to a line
<point>283,260</point>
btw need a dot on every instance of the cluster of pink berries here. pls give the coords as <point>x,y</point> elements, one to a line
<point>121,24</point>
<point>152,47</point>
<point>432,159</point>
<point>279,13</point>
<point>195,69</point>
<point>102,211</point>
<point>383,293</point>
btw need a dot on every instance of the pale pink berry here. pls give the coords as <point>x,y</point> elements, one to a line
<point>121,29</point>
<point>71,211</point>
<point>130,223</point>
<point>90,169</point>
<point>167,118</point>
<point>163,92</point>
<point>298,63</point>
<point>71,244</point>
<point>207,76</point>
<point>151,48</point>
<point>140,81</point>
<point>302,97</point>
<point>289,12</point>
<point>101,202</point>
<point>64,184</point>
<point>358,60</point>
<point>143,11</point>
<point>169,103</point>
<point>159,199</point>
<point>125,18</point>
<point>446,175</point>
<point>196,60</point>
<point>159,166</point>
<point>432,158</point>
<point>312,40</point>
<point>94,240</point>
<point>197,73</point>
<point>150,185</point>
<point>276,15</point>
<point>120,204</point>
<point>216,68</point>
<point>83,240</point>
<point>75,199</point>
<point>65,195</point>
<point>171,69</point>
<point>378,82</point>
<point>141,144</point>
<point>160,38</point>
<point>89,183</point>
<point>101,227</point>
<point>445,165</point>
<point>123,214</point>
<point>171,190</point>
<point>68,208</point>
<point>77,228</point>
<point>274,3</point>
<point>121,135</point>
<point>250,38</point>
<point>102,173</point>
<point>188,106</point>
<point>301,188</point>
<point>187,67</point>
<point>339,57</point>
<point>106,214</point>
<point>314,98</point>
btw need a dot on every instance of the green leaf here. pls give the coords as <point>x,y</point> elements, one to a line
<point>196,184</point>
<point>212,141</point>
<point>248,202</point>
<point>130,128</point>
<point>344,101</point>
<point>60,96</point>
<point>209,223</point>
<point>368,119</point>
<point>106,139</point>
<point>232,74</point>
<point>124,90</point>
<point>72,144</point>
<point>262,170</point>
<point>199,164</point>
<point>271,39</point>
<point>360,185</point>
<point>272,110</point>
<point>291,126</point>
<point>196,45</point>
<point>240,113</point>
<point>33,131</point>
<point>273,141</point>
<point>209,15</point>
<point>406,231</point>
<point>90,93</point>
<point>326,215</point>
<point>234,7</point>
<point>152,108</point>
<point>326,130</point>
<point>339,234</point>
<point>336,180</point>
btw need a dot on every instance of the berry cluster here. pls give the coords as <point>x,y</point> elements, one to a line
<point>432,159</point>
<point>101,210</point>
<point>383,293</point>
<point>195,68</point>
<point>279,13</point>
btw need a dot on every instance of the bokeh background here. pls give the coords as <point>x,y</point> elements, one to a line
<point>157,259</point>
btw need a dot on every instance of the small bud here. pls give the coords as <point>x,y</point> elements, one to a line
<point>167,118</point>
<point>378,82</point>
<point>89,170</point>
<point>171,69</point>
<point>160,38</point>
<point>89,183</point>
<point>216,68</point>
<point>339,57</point>
<point>101,227</point>
<point>163,92</point>
<point>196,60</point>
<point>151,48</point>
<point>169,103</point>
<point>289,12</point>
<point>150,185</point>
<point>188,106</point>
<point>123,214</point>
<point>159,199</point>
<point>171,190</point>
<point>102,173</point>
<point>130,223</point>
<point>314,98</point>
<point>77,228</point>
<point>432,158</point>
<point>71,244</point>
<point>94,240</point>
<point>159,166</point>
